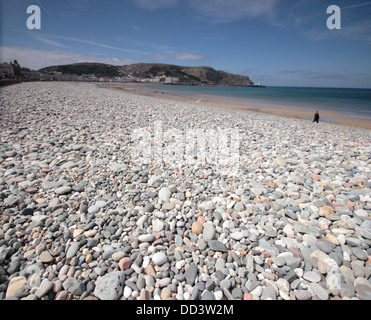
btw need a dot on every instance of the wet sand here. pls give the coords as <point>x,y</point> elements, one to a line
<point>342,118</point>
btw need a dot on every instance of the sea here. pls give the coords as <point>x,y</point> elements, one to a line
<point>355,103</point>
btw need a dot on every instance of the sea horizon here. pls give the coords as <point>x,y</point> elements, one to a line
<point>355,102</point>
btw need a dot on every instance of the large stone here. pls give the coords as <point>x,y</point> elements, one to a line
<point>68,165</point>
<point>72,250</point>
<point>197,228</point>
<point>361,213</point>
<point>217,246</point>
<point>155,181</point>
<point>208,232</point>
<point>93,209</point>
<point>239,206</point>
<point>347,290</point>
<point>149,207</point>
<point>117,256</point>
<point>359,253</point>
<point>45,286</point>
<point>63,190</point>
<point>207,295</point>
<point>146,237</point>
<point>46,257</point>
<point>110,286</point>
<point>281,162</point>
<point>361,285</point>
<point>164,195</point>
<point>27,212</point>
<point>142,220</point>
<point>158,225</point>
<point>191,273</point>
<point>168,206</point>
<point>74,286</point>
<point>165,293</point>
<point>325,245</point>
<point>159,258</point>
<point>319,291</point>
<point>12,200</point>
<point>225,284</point>
<point>206,205</point>
<point>49,184</point>
<point>237,293</point>
<point>238,235</point>
<point>17,286</point>
<point>283,285</point>
<point>125,263</point>
<point>303,295</point>
<point>312,276</point>
<point>268,294</point>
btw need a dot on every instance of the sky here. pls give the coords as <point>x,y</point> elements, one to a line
<point>274,42</point>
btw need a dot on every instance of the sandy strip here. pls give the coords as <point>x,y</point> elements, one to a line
<point>361,123</point>
<point>339,118</point>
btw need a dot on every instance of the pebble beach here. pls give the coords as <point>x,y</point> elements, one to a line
<point>82,219</point>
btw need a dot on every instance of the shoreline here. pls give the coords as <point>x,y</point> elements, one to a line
<point>327,116</point>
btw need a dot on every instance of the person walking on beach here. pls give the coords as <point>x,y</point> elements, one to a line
<point>316,117</point>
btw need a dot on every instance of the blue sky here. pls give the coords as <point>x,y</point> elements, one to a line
<point>275,42</point>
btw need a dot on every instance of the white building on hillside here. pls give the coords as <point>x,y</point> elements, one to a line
<point>171,79</point>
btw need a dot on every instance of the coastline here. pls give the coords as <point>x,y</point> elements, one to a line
<point>341,118</point>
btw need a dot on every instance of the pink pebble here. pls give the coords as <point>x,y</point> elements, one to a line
<point>125,263</point>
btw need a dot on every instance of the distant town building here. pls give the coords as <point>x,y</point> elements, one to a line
<point>171,79</point>
<point>153,80</point>
<point>6,70</point>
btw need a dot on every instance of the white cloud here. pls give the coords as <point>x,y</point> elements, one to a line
<point>155,4</point>
<point>157,57</point>
<point>99,44</point>
<point>48,41</point>
<point>37,59</point>
<point>55,41</point>
<point>226,11</point>
<point>189,56</point>
<point>357,5</point>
